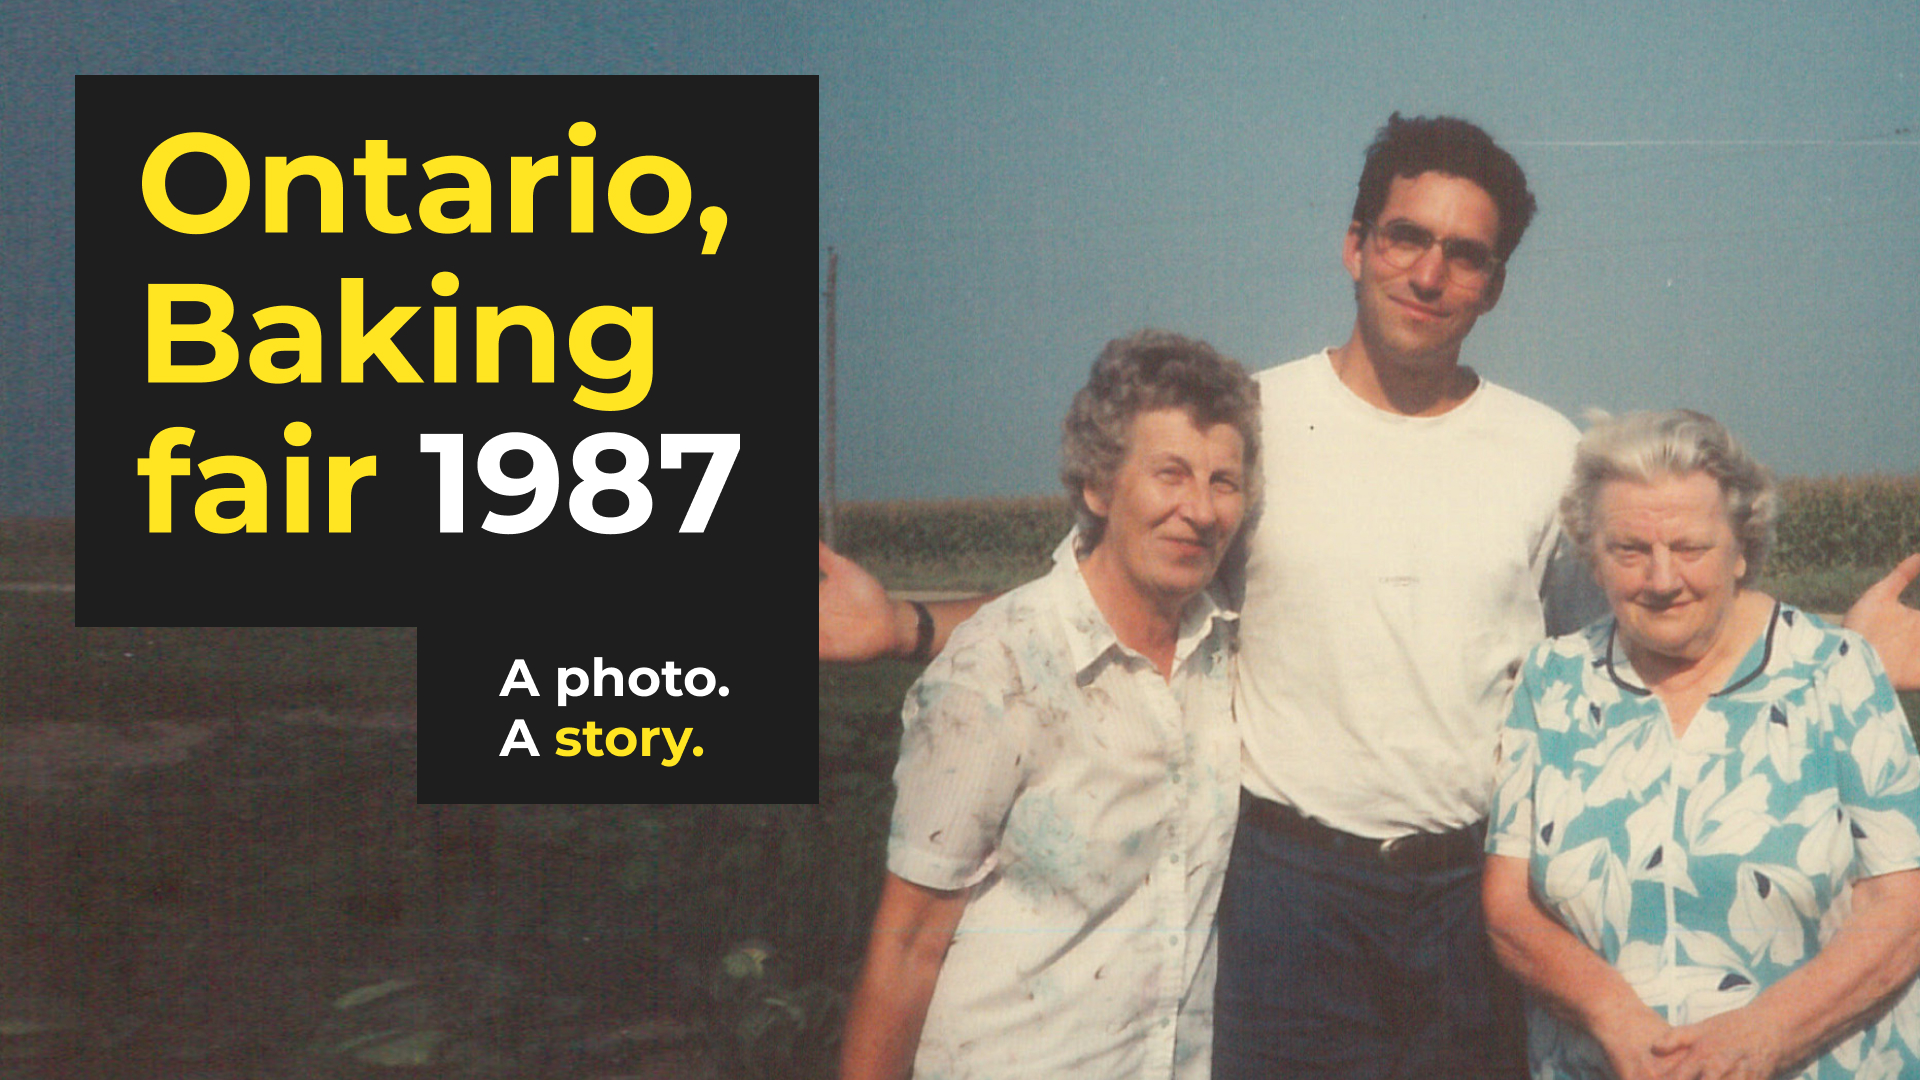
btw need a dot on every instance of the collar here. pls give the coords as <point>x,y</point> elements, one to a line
<point>1330,370</point>
<point>1091,641</point>
<point>1620,668</point>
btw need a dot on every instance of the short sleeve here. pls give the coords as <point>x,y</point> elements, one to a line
<point>1510,821</point>
<point>1878,769</point>
<point>958,773</point>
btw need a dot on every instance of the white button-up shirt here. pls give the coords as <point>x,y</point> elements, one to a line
<point>1088,804</point>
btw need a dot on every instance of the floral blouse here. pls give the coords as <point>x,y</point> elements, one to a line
<point>1706,867</point>
<point>1088,804</point>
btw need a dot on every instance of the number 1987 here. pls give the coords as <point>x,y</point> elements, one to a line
<point>543,479</point>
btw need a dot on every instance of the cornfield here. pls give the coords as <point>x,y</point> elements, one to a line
<point>1014,529</point>
<point>1825,523</point>
<point>1862,521</point>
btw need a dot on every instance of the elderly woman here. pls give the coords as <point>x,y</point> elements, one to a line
<point>1069,773</point>
<point>1703,845</point>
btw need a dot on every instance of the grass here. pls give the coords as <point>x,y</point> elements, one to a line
<point>36,549</point>
<point>1830,590</point>
<point>51,669</point>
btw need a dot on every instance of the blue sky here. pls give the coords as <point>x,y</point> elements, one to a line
<point>1730,217</point>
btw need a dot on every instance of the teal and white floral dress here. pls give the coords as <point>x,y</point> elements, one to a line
<point>1706,867</point>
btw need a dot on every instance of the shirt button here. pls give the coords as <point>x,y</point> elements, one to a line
<point>1173,857</point>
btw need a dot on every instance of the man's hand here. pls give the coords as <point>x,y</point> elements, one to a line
<point>856,617</point>
<point>1892,628</point>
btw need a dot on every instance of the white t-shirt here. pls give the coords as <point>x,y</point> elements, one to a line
<point>1401,569</point>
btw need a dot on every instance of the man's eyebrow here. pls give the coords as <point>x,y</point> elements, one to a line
<point>1459,239</point>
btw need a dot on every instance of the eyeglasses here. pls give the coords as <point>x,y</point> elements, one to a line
<point>1468,262</point>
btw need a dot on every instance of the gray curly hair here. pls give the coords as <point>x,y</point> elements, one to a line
<point>1644,446</point>
<point>1149,370</point>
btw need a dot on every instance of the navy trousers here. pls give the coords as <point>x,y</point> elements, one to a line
<point>1335,966</point>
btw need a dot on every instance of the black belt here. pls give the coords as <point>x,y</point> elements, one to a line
<point>1412,852</point>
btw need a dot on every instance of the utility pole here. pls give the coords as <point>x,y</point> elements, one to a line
<point>833,421</point>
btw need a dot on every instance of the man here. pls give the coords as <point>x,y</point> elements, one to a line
<point>1069,770</point>
<point>1414,558</point>
<point>1409,559</point>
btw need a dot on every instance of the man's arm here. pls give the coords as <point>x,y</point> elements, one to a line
<point>1568,977</point>
<point>1892,628</point>
<point>911,932</point>
<point>859,622</point>
<point>1872,957</point>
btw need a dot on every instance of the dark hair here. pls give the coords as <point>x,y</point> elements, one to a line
<point>1152,369</point>
<point>1445,144</point>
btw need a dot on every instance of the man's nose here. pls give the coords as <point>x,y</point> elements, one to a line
<point>1429,272</point>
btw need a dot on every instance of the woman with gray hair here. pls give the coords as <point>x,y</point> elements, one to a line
<point>1069,773</point>
<point>1704,848</point>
